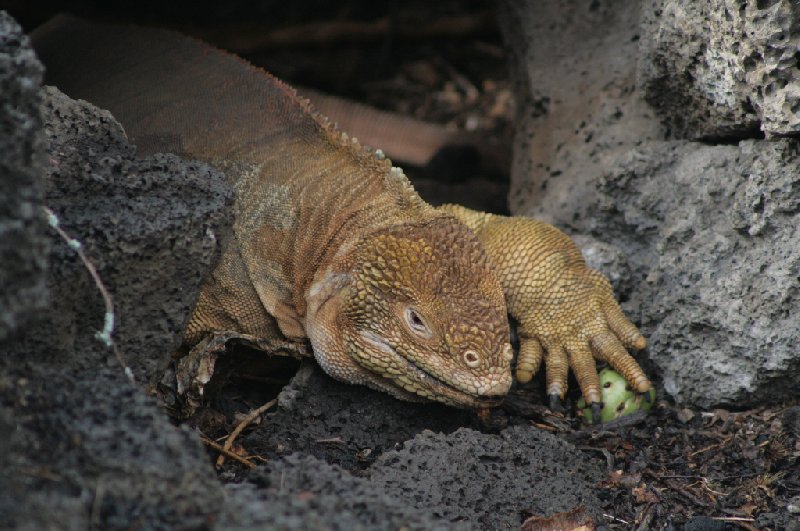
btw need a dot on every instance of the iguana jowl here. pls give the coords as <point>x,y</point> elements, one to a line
<point>333,246</point>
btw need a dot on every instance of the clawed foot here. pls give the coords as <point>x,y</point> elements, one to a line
<point>566,311</point>
<point>583,324</point>
<point>568,316</point>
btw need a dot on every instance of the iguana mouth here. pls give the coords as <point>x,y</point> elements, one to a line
<point>422,383</point>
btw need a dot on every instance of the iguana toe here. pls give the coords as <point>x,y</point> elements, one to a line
<point>557,367</point>
<point>529,359</point>
<point>609,348</point>
<point>583,365</point>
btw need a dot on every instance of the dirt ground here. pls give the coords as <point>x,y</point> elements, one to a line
<point>718,469</point>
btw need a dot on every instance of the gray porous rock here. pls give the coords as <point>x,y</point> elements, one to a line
<point>490,481</point>
<point>608,259</point>
<point>573,73</point>
<point>153,227</point>
<point>303,492</point>
<point>80,446</point>
<point>722,68</point>
<point>462,480</point>
<point>713,241</point>
<point>708,231</point>
<point>23,245</point>
<point>420,455</point>
<point>88,450</point>
<point>356,423</point>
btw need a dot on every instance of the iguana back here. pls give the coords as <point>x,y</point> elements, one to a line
<point>301,185</point>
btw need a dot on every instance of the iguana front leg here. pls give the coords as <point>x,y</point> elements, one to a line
<point>566,311</point>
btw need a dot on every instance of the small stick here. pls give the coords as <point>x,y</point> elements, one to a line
<point>712,446</point>
<point>242,425</point>
<point>104,336</point>
<point>223,451</point>
<point>99,492</point>
<point>686,494</point>
<point>330,440</point>
<point>612,517</point>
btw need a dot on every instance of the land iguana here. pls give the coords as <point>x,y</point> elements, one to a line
<point>332,246</point>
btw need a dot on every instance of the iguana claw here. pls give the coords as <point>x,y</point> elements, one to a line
<point>555,403</point>
<point>597,408</point>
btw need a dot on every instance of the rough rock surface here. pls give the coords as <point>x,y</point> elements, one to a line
<point>716,261</point>
<point>303,492</point>
<point>23,249</point>
<point>722,68</point>
<point>344,424</point>
<point>461,480</point>
<point>86,449</point>
<point>490,480</point>
<point>151,226</point>
<point>573,70</point>
<point>81,447</point>
<point>486,480</point>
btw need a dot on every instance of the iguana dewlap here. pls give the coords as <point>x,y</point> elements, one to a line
<point>333,246</point>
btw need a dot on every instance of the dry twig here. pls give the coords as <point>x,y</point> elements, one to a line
<point>712,446</point>
<point>242,425</point>
<point>223,451</point>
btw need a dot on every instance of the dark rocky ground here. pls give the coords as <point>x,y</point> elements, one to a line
<point>82,447</point>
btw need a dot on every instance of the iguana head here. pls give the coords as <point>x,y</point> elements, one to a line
<point>415,311</point>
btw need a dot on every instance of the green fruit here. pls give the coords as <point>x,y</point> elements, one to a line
<point>618,398</point>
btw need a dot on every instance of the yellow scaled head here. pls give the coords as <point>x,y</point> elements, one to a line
<point>426,317</point>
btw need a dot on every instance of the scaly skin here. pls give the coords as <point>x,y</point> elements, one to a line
<point>566,311</point>
<point>411,318</point>
<point>333,246</point>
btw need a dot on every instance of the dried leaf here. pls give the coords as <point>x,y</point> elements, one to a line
<point>685,415</point>
<point>575,520</point>
<point>630,481</point>
<point>614,477</point>
<point>747,509</point>
<point>645,495</point>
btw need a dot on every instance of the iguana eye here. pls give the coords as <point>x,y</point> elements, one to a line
<point>416,323</point>
<point>471,358</point>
